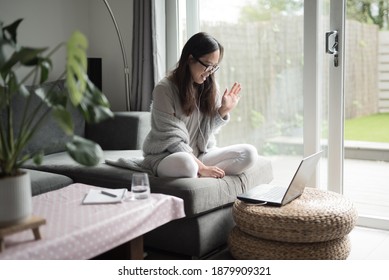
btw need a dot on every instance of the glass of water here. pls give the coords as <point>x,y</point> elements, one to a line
<point>140,186</point>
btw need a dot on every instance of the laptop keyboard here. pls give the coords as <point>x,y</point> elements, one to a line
<point>274,192</point>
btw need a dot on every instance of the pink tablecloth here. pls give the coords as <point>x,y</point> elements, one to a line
<point>77,231</point>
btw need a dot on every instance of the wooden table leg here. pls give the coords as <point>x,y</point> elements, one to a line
<point>1,244</point>
<point>134,250</point>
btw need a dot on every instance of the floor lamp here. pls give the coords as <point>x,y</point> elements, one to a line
<point>126,69</point>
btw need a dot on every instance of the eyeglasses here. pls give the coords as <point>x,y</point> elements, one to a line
<point>208,68</point>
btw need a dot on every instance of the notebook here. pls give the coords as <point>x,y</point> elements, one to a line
<point>98,196</point>
<point>281,195</point>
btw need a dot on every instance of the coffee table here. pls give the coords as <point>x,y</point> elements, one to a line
<point>77,231</point>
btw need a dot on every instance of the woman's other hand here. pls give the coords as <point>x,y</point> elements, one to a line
<point>211,171</point>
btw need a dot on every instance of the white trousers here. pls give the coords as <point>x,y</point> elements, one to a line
<point>232,159</point>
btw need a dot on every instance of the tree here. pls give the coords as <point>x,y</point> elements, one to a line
<point>369,11</point>
<point>264,10</point>
<point>366,11</point>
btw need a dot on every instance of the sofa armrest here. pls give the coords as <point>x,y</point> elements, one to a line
<point>126,131</point>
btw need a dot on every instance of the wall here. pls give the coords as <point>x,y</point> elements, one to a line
<point>48,22</point>
<point>104,43</point>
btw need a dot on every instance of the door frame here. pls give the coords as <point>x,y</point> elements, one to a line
<point>311,82</point>
<point>336,100</point>
<point>313,56</point>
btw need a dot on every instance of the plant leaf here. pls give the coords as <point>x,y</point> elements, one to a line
<point>8,36</point>
<point>3,101</point>
<point>45,66</point>
<point>64,119</point>
<point>95,106</point>
<point>76,67</point>
<point>25,56</point>
<point>84,151</point>
<point>38,158</point>
<point>12,83</point>
<point>10,31</point>
<point>52,97</point>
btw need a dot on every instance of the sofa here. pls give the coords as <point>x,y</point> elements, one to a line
<point>207,201</point>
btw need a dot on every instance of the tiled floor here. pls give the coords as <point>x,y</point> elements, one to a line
<point>366,244</point>
<point>369,244</point>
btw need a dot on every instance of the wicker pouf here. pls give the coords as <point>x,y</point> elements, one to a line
<point>246,247</point>
<point>317,216</point>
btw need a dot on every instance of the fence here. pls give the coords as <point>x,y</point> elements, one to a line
<point>361,83</point>
<point>267,58</point>
<point>383,74</point>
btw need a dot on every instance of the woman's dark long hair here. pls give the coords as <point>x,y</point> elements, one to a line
<point>198,45</point>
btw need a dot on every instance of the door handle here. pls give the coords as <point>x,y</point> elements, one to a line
<point>332,39</point>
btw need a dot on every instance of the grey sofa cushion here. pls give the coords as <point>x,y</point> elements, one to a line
<point>102,175</point>
<point>200,194</point>
<point>42,182</point>
<point>126,131</point>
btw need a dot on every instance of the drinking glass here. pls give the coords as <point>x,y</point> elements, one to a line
<point>140,186</point>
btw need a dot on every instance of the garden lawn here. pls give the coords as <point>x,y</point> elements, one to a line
<point>373,128</point>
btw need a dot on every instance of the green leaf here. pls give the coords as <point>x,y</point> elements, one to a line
<point>3,101</point>
<point>95,106</point>
<point>25,56</point>
<point>2,55</point>
<point>38,158</point>
<point>12,83</point>
<point>64,119</point>
<point>45,67</point>
<point>74,91</point>
<point>53,97</point>
<point>10,31</point>
<point>76,67</point>
<point>29,56</point>
<point>8,36</point>
<point>84,151</point>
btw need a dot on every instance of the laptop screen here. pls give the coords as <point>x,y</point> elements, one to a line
<point>301,177</point>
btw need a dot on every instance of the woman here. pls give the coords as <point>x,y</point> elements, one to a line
<point>187,111</point>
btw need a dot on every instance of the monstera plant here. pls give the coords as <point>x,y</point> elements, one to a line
<point>81,94</point>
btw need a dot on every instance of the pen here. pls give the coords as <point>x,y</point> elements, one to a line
<point>109,194</point>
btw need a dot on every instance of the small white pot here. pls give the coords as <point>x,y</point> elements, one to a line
<point>15,199</point>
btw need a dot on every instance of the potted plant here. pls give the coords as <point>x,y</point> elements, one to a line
<point>80,93</point>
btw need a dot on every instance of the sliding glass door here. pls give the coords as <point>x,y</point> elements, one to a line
<point>300,72</point>
<point>355,122</point>
<point>366,165</point>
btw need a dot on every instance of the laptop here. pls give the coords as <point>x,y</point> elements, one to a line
<point>280,195</point>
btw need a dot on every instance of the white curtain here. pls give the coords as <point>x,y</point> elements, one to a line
<point>159,39</point>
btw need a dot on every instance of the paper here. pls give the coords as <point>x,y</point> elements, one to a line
<point>98,196</point>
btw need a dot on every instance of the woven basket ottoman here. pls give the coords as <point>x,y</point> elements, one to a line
<point>313,226</point>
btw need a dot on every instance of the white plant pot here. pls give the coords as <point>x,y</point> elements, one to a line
<point>15,199</point>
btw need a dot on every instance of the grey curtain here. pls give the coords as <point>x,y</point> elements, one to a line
<point>142,76</point>
<point>148,51</point>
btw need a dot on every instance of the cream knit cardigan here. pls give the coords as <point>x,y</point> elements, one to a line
<point>169,135</point>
